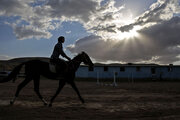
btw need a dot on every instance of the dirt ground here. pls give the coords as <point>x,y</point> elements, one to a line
<point>127,101</point>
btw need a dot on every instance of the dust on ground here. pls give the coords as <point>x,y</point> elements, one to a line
<point>127,101</point>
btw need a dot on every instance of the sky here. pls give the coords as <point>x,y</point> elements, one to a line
<point>123,31</point>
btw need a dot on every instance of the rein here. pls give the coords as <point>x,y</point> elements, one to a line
<point>73,62</point>
<point>78,61</point>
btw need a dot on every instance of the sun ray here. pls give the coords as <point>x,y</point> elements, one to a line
<point>122,35</point>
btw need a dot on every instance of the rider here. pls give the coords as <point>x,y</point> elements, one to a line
<point>58,50</point>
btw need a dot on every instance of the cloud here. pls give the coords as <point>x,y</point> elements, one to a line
<point>159,11</point>
<point>42,16</point>
<point>97,18</point>
<point>28,23</point>
<point>68,32</point>
<point>15,7</point>
<point>158,43</point>
<point>25,32</point>
<point>165,39</point>
<point>72,9</point>
<point>5,57</point>
<point>48,15</point>
<point>157,39</point>
<point>105,19</point>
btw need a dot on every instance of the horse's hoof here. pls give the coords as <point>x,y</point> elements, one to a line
<point>11,102</point>
<point>82,100</point>
<point>50,105</point>
<point>45,104</point>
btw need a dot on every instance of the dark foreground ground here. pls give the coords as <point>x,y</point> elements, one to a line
<point>127,101</point>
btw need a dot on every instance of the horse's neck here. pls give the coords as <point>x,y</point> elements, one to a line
<point>76,63</point>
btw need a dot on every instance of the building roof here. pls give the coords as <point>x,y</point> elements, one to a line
<point>130,64</point>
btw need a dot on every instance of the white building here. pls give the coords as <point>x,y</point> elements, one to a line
<point>130,71</point>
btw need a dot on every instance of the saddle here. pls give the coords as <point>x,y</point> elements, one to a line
<point>58,67</point>
<point>52,67</point>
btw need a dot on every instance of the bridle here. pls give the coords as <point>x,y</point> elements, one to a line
<point>85,58</point>
<point>79,61</point>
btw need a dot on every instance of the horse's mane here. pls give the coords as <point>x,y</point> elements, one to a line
<point>77,56</point>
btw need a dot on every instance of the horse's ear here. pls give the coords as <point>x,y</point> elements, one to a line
<point>82,52</point>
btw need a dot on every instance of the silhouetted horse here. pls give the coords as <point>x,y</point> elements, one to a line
<point>35,68</point>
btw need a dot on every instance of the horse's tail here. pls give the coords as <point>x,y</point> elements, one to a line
<point>13,74</point>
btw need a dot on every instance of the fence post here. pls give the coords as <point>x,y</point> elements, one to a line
<point>97,78</point>
<point>114,82</point>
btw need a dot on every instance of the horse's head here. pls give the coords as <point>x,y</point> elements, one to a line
<point>86,59</point>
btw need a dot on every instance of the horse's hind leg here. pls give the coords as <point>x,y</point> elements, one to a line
<point>61,85</point>
<point>36,89</point>
<point>20,86</point>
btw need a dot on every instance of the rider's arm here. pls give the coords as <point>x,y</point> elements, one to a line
<point>63,54</point>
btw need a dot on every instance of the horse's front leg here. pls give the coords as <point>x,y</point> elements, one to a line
<point>77,91</point>
<point>61,85</point>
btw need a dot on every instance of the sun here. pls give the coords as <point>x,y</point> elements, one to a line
<point>118,36</point>
<point>115,34</point>
<point>130,34</point>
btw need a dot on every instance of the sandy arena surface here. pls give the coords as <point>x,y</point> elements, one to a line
<point>127,101</point>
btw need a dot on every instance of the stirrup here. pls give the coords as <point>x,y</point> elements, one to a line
<point>52,68</point>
